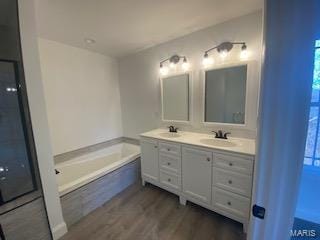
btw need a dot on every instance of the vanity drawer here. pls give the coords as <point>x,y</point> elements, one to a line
<point>170,163</point>
<point>232,203</point>
<point>232,181</point>
<point>170,180</point>
<point>233,162</point>
<point>170,148</point>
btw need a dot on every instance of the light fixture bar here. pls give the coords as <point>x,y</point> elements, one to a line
<point>209,50</point>
<point>223,49</point>
<point>225,46</point>
<point>173,60</point>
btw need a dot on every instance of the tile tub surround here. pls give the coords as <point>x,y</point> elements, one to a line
<point>92,148</point>
<point>82,201</point>
<point>243,145</point>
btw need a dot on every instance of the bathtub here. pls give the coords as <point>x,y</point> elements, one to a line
<point>82,170</point>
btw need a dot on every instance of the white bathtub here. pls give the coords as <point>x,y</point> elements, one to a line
<point>79,171</point>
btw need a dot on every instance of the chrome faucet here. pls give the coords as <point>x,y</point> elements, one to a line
<point>173,129</point>
<point>220,134</point>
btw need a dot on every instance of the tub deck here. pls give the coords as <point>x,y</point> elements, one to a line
<point>82,170</point>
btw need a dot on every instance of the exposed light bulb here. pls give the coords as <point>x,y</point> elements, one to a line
<point>185,66</point>
<point>223,54</point>
<point>244,54</point>
<point>164,71</point>
<point>207,61</point>
<point>173,65</point>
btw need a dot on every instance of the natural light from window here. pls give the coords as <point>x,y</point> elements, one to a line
<point>312,152</point>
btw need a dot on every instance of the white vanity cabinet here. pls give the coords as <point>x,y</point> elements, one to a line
<point>232,185</point>
<point>149,159</point>
<point>170,166</point>
<point>216,179</point>
<point>196,174</point>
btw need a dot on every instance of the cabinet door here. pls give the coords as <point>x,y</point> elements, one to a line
<point>196,174</point>
<point>150,159</point>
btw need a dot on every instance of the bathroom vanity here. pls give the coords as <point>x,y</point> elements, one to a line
<point>213,173</point>
<point>205,169</point>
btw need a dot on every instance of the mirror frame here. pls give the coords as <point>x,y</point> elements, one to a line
<point>190,74</point>
<point>251,102</point>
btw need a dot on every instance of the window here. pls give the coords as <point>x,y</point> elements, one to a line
<point>312,152</point>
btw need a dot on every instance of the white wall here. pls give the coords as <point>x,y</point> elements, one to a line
<point>82,96</point>
<point>139,74</point>
<point>39,117</point>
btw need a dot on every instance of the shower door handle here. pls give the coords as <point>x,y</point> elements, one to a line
<point>1,200</point>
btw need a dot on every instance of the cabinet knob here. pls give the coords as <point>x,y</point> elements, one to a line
<point>208,159</point>
<point>169,180</point>
<point>229,203</point>
<point>230,181</point>
<point>155,146</point>
<point>168,149</point>
<point>169,164</point>
<point>231,164</point>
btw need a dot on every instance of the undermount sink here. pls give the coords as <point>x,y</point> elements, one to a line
<point>170,135</point>
<point>218,142</point>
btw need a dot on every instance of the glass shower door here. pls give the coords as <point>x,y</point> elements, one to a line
<point>16,169</point>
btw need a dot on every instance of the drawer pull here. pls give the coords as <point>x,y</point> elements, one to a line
<point>230,164</point>
<point>168,164</point>
<point>155,146</point>
<point>230,181</point>
<point>229,203</point>
<point>168,149</point>
<point>208,159</point>
<point>169,180</point>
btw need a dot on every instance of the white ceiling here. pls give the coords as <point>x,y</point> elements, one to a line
<point>122,27</point>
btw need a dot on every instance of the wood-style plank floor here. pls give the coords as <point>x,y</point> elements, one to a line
<point>150,213</point>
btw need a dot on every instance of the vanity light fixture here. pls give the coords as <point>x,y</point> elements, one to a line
<point>223,49</point>
<point>173,62</point>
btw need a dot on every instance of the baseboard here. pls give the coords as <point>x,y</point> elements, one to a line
<point>59,230</point>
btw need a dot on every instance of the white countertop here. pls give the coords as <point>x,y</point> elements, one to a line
<point>242,145</point>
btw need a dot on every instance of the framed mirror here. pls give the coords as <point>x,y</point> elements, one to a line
<point>225,95</point>
<point>176,98</point>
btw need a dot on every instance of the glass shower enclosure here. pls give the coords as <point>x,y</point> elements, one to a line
<point>19,175</point>
<point>16,178</point>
